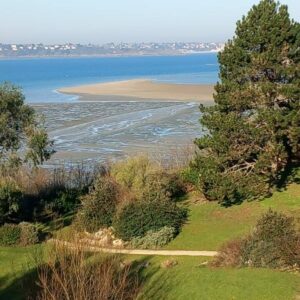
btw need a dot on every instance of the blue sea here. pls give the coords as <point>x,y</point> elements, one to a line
<point>101,131</point>
<point>41,77</point>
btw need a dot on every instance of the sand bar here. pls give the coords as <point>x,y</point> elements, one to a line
<point>144,89</point>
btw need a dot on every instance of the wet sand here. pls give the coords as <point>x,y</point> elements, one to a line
<point>142,89</point>
<point>105,131</point>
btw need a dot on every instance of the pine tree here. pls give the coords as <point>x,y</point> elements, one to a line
<point>253,130</point>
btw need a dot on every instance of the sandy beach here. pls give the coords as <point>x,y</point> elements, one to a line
<point>143,89</point>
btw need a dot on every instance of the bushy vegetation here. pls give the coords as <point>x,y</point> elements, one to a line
<point>10,199</point>
<point>66,201</point>
<point>139,217</point>
<point>56,192</point>
<point>99,206</point>
<point>151,205</point>
<point>23,234</point>
<point>274,243</point>
<point>10,235</point>
<point>95,198</point>
<point>252,132</point>
<point>162,185</point>
<point>30,234</point>
<point>132,173</point>
<point>147,180</point>
<point>154,239</point>
<point>39,195</point>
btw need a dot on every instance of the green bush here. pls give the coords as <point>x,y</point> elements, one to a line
<point>274,243</point>
<point>135,219</point>
<point>154,239</point>
<point>99,206</point>
<point>190,175</point>
<point>162,186</point>
<point>30,234</point>
<point>10,235</point>
<point>66,201</point>
<point>133,172</point>
<point>10,199</point>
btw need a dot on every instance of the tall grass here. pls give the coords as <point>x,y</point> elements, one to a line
<point>75,274</point>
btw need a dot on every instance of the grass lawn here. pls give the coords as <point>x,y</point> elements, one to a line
<point>189,280</point>
<point>210,225</point>
<point>15,262</point>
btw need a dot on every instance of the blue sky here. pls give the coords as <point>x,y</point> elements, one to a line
<point>100,21</point>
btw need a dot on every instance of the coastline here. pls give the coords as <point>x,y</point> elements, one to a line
<point>142,90</point>
<point>112,55</point>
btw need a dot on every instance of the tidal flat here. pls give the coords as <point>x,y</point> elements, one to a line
<point>105,131</point>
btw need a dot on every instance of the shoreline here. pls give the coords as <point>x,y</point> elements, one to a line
<point>142,90</point>
<point>105,55</point>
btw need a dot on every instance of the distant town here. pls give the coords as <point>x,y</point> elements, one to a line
<point>109,49</point>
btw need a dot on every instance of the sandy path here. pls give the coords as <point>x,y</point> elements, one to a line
<point>137,251</point>
<point>145,89</point>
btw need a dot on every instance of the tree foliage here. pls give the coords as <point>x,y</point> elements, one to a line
<point>23,137</point>
<point>253,131</point>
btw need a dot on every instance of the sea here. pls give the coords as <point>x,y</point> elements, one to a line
<point>101,131</point>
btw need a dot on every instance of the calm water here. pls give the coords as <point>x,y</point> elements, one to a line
<point>39,78</point>
<point>108,130</point>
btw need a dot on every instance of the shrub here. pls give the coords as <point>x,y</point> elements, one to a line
<point>162,186</point>
<point>229,255</point>
<point>190,175</point>
<point>66,201</point>
<point>146,179</point>
<point>10,235</point>
<point>133,172</point>
<point>154,239</point>
<point>10,199</point>
<point>135,219</point>
<point>30,234</point>
<point>99,206</point>
<point>274,243</point>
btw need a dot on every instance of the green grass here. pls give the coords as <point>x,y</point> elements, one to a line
<point>210,225</point>
<point>190,280</point>
<point>187,280</point>
<point>15,263</point>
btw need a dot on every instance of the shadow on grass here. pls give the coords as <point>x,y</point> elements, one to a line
<point>288,176</point>
<point>158,284</point>
<point>20,288</point>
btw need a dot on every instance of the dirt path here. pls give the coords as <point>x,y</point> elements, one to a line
<point>138,251</point>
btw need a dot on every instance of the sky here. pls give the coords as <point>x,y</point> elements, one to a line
<point>102,21</point>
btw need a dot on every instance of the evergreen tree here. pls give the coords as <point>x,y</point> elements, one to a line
<point>253,131</point>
